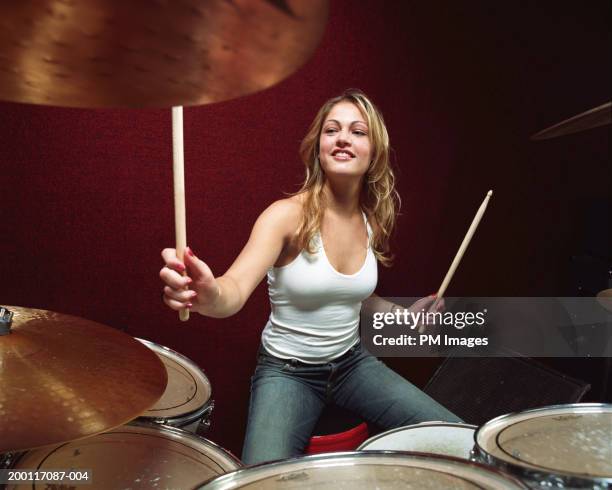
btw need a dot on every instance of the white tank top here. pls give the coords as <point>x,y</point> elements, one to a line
<point>315,308</point>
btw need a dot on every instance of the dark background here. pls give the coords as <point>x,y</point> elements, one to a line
<point>86,200</point>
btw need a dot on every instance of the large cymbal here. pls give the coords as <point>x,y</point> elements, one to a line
<point>153,53</point>
<point>64,378</point>
<point>598,116</point>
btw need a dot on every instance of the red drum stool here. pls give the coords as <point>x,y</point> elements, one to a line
<point>340,431</point>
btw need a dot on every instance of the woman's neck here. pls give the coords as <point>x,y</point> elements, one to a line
<point>342,198</point>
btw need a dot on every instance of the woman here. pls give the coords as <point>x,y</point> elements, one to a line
<point>319,249</point>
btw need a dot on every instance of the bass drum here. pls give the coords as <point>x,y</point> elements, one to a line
<point>133,456</point>
<point>448,439</point>
<point>187,402</point>
<point>561,446</point>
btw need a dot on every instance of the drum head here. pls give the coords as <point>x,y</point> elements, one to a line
<point>569,440</point>
<point>429,437</point>
<point>188,389</point>
<point>365,471</point>
<point>136,457</point>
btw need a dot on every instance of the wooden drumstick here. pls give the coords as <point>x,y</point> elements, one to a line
<point>461,251</point>
<point>178,172</point>
<point>459,256</point>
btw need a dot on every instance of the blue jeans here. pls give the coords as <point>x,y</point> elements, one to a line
<point>287,398</point>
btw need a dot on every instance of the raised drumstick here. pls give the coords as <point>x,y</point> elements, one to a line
<point>459,255</point>
<point>178,172</point>
<point>460,252</point>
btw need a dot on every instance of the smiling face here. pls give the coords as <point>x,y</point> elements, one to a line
<point>344,143</point>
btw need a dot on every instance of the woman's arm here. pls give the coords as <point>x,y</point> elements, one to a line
<point>223,296</point>
<point>375,303</point>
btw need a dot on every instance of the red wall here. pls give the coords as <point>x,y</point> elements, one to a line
<point>86,198</point>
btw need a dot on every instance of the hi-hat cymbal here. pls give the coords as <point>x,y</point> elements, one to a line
<point>158,53</point>
<point>598,116</point>
<point>64,378</point>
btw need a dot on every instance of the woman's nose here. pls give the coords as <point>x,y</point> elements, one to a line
<point>344,138</point>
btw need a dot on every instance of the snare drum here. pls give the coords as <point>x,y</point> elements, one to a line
<point>562,446</point>
<point>136,456</point>
<point>444,438</point>
<point>384,470</point>
<point>186,403</point>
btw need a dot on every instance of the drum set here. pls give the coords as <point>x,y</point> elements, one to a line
<point>156,437</point>
<point>83,400</point>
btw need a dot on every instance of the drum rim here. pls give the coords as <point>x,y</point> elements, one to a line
<point>190,435</point>
<point>148,343</point>
<point>531,471</point>
<point>180,420</point>
<point>433,423</point>
<point>161,428</point>
<point>224,482</point>
<point>139,424</point>
<point>187,417</point>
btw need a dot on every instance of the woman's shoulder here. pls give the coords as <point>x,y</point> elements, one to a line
<point>284,215</point>
<point>286,209</point>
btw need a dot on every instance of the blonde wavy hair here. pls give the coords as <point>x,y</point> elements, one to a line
<point>378,198</point>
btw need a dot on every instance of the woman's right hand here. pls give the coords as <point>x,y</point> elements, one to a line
<point>197,290</point>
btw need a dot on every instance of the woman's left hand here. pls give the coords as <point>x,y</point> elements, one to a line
<point>424,304</point>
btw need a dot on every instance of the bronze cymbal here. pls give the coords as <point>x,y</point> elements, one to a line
<point>64,378</point>
<point>155,53</point>
<point>598,116</point>
<point>605,299</point>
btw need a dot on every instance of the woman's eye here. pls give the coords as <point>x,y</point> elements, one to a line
<point>359,132</point>
<point>330,130</point>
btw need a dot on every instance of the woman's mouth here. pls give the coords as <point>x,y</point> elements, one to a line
<point>342,155</point>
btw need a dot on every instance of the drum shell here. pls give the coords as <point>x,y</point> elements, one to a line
<point>542,479</point>
<point>546,477</point>
<point>196,422</point>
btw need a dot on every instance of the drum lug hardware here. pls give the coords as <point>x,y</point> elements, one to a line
<point>203,427</point>
<point>6,320</point>
<point>204,424</point>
